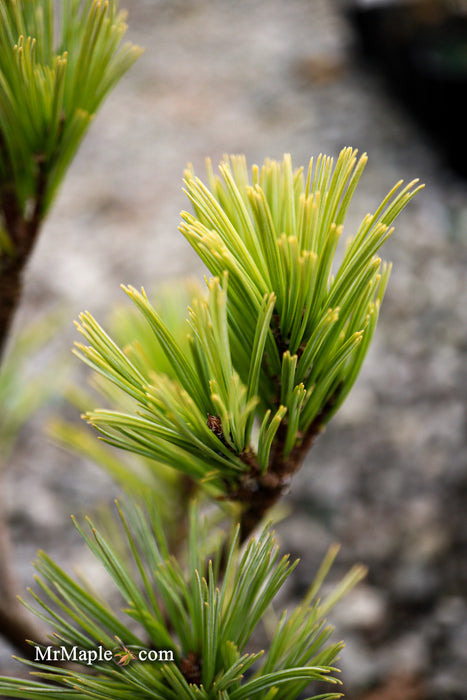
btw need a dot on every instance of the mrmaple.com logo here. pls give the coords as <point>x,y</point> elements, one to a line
<point>121,655</point>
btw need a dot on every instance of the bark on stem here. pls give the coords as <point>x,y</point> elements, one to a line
<point>22,233</point>
<point>17,628</point>
<point>260,492</point>
<point>15,623</point>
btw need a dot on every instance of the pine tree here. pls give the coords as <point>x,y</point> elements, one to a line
<point>228,397</point>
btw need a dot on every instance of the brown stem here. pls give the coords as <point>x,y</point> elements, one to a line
<point>285,468</point>
<point>187,491</point>
<point>259,492</point>
<point>8,588</point>
<point>11,271</point>
<point>254,510</point>
<point>22,229</point>
<point>16,627</point>
<point>10,293</point>
<point>16,624</point>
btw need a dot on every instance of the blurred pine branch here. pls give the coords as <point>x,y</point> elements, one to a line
<point>205,620</point>
<point>58,61</point>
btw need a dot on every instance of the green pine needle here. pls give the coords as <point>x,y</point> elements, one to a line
<point>275,343</point>
<point>205,619</point>
<point>57,64</point>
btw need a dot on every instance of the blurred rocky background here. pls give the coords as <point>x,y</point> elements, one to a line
<point>388,478</point>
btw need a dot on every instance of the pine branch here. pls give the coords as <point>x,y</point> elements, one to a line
<point>276,343</point>
<point>56,67</point>
<point>55,70</point>
<point>22,235</point>
<point>205,619</point>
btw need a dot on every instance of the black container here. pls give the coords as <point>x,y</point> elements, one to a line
<point>421,49</point>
